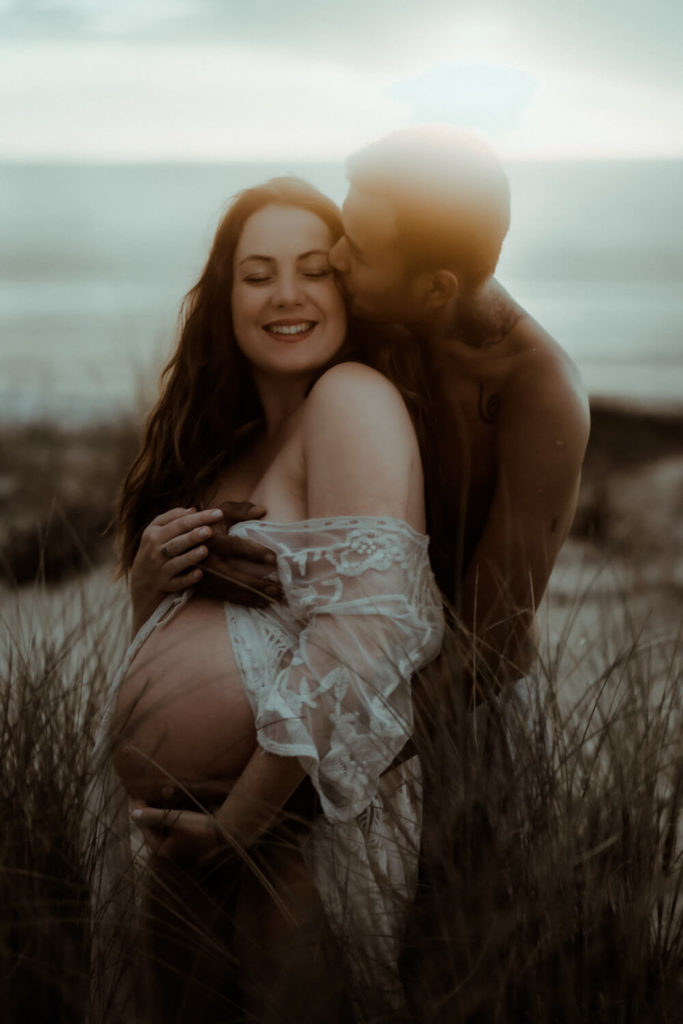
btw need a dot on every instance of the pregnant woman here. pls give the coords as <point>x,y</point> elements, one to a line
<point>221,711</point>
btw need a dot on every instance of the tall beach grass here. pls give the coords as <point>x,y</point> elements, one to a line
<point>551,886</point>
<point>552,866</point>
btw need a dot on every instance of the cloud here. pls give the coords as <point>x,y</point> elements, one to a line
<point>115,100</point>
<point>317,29</point>
<point>489,97</point>
<point>633,38</point>
<point>221,79</point>
<point>579,116</point>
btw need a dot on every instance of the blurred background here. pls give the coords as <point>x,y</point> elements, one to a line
<point>125,127</point>
<point>124,130</point>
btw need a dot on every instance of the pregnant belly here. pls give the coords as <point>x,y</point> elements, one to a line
<point>182,717</point>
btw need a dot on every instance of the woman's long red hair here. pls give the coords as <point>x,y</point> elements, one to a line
<point>208,397</point>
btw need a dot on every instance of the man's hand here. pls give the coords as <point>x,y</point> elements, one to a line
<point>238,570</point>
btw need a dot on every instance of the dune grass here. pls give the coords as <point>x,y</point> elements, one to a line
<point>57,489</point>
<point>559,899</point>
<point>551,886</point>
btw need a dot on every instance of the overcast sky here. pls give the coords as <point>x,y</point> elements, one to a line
<point>314,79</point>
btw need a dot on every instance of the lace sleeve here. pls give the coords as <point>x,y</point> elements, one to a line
<point>370,615</point>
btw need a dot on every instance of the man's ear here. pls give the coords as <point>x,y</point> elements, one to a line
<point>437,289</point>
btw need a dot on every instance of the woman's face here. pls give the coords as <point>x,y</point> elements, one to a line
<point>287,313</point>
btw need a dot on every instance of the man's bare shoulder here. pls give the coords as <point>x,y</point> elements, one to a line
<point>517,364</point>
<point>542,384</point>
<point>522,342</point>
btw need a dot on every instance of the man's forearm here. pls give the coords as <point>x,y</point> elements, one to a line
<point>501,653</point>
<point>499,629</point>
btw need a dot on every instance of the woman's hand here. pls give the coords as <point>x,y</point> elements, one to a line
<point>253,806</point>
<point>175,542</point>
<point>185,837</point>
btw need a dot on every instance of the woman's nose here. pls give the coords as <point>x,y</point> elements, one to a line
<point>338,256</point>
<point>288,290</point>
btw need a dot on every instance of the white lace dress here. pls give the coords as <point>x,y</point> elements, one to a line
<point>328,676</point>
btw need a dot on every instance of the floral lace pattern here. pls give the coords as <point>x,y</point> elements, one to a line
<point>328,671</point>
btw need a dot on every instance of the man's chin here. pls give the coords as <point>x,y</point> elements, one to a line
<point>363,312</point>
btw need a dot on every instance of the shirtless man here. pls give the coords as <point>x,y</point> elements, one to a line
<point>424,219</point>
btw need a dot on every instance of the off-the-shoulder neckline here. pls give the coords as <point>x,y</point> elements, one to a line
<point>333,522</point>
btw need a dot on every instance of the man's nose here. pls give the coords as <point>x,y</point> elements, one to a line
<point>338,256</point>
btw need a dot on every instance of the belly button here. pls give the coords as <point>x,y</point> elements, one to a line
<point>126,748</point>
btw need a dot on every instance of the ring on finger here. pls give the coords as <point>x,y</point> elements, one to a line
<point>165,552</point>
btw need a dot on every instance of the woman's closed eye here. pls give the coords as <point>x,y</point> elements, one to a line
<point>309,274</point>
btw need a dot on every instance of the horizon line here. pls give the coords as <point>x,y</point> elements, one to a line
<point>82,161</point>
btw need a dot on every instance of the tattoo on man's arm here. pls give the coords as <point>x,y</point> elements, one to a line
<point>488,408</point>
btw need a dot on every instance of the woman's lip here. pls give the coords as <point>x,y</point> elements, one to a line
<point>290,321</point>
<point>290,335</point>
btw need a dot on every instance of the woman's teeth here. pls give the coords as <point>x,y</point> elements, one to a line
<point>301,328</point>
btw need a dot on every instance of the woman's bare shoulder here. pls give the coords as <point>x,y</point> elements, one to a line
<point>355,386</point>
<point>356,404</point>
<point>360,448</point>
<point>352,373</point>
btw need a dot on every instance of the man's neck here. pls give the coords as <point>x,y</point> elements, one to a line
<point>478,318</point>
<point>484,316</point>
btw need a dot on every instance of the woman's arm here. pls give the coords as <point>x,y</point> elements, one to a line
<point>361,458</point>
<point>361,452</point>
<point>255,801</point>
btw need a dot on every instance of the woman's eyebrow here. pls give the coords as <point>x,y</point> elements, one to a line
<point>255,256</point>
<point>313,252</point>
<point>271,259</point>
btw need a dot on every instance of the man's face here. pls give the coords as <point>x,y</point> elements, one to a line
<point>368,259</point>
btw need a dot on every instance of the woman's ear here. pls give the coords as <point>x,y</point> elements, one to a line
<point>437,288</point>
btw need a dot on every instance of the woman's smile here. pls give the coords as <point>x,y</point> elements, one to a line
<point>290,330</point>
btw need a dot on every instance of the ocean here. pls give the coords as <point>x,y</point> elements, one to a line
<point>94,260</point>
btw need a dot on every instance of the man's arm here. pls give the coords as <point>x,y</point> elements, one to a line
<point>543,431</point>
